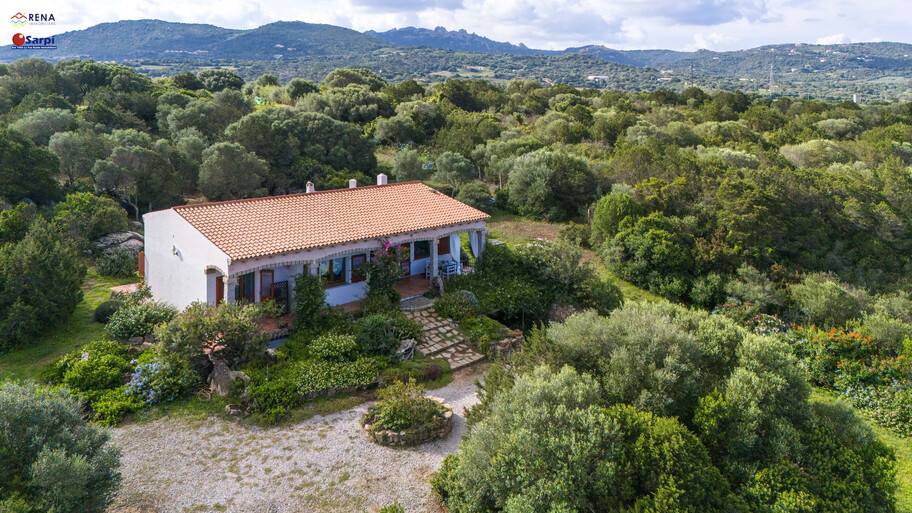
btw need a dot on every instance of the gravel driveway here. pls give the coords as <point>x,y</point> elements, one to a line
<point>322,464</point>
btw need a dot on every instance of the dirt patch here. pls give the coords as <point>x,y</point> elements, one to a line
<point>323,464</point>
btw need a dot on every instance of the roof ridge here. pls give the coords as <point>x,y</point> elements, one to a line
<point>297,194</point>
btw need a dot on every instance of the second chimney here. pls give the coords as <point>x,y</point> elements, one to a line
<point>310,187</point>
<point>381,179</point>
<point>352,183</point>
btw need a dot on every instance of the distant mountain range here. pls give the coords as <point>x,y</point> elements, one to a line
<point>311,50</point>
<point>154,39</point>
<point>456,40</point>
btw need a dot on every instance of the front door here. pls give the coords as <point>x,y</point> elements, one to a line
<point>219,290</point>
<point>266,285</point>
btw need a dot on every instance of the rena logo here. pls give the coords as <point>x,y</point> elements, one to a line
<point>21,19</point>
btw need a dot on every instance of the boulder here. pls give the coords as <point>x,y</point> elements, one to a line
<point>136,341</point>
<point>271,356</point>
<point>130,241</point>
<point>133,246</point>
<point>221,377</point>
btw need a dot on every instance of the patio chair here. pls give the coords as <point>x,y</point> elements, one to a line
<point>449,268</point>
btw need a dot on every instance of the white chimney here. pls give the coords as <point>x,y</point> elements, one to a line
<point>352,183</point>
<point>381,179</point>
<point>310,187</point>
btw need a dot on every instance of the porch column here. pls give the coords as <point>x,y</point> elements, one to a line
<point>230,283</point>
<point>313,267</point>
<point>348,269</point>
<point>256,286</point>
<point>226,286</point>
<point>481,241</point>
<point>434,257</point>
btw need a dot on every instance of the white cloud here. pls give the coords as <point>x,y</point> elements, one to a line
<point>710,41</point>
<point>833,39</point>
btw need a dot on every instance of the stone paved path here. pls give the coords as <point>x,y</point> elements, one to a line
<point>441,339</point>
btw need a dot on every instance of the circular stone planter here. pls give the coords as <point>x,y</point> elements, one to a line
<point>438,428</point>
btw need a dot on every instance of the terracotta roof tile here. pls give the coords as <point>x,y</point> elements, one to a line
<point>279,224</point>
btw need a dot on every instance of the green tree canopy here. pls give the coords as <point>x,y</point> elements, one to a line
<point>229,172</point>
<point>40,283</point>
<point>26,171</point>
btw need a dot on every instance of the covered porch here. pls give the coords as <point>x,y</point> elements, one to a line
<point>424,257</point>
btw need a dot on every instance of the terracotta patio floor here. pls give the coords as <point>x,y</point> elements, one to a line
<point>411,286</point>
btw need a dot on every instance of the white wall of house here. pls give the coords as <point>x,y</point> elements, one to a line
<point>341,294</point>
<point>177,256</point>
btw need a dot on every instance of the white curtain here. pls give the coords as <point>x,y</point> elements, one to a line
<point>455,250</point>
<point>473,241</point>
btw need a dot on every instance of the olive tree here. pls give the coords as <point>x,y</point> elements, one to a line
<point>230,172</point>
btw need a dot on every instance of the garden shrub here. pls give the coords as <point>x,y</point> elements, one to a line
<point>316,375</point>
<point>405,328</point>
<point>575,234</point>
<point>422,369</point>
<point>432,372</point>
<point>598,294</point>
<point>51,459</point>
<point>376,336</point>
<point>137,320</point>
<point>402,407</point>
<point>105,310</point>
<point>236,389</point>
<point>392,508</point>
<point>160,377</point>
<point>93,368</point>
<point>230,330</point>
<point>457,305</point>
<point>309,301</point>
<point>272,399</point>
<point>383,270</point>
<point>333,347</point>
<point>483,331</point>
<point>121,263</point>
<point>110,406</point>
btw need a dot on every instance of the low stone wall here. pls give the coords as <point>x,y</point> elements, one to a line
<point>423,434</point>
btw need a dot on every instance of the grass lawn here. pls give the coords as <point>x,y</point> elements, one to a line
<point>513,230</point>
<point>79,329</point>
<point>902,447</point>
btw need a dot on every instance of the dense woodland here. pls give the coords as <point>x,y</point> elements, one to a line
<point>779,229</point>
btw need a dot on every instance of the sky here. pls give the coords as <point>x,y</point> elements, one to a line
<point>547,24</point>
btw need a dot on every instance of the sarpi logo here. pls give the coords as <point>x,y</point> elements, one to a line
<point>21,19</point>
<point>23,42</point>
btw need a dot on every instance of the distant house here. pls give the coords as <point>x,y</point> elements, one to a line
<point>251,249</point>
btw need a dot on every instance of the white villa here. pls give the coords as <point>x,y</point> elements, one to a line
<point>251,250</point>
